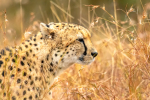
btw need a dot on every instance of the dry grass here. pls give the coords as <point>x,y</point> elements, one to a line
<point>122,69</point>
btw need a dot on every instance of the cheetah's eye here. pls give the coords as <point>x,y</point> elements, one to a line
<point>80,39</point>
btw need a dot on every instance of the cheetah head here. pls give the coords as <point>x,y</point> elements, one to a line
<point>70,44</point>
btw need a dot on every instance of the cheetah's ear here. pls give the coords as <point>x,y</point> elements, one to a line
<point>43,28</point>
<point>46,31</point>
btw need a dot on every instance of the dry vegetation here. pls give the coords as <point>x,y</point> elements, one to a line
<point>121,70</point>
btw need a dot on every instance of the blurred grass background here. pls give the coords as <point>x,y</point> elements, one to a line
<point>25,12</point>
<point>120,32</point>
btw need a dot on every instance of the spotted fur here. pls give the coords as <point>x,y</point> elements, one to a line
<point>28,70</point>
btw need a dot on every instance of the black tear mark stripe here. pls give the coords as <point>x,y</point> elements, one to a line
<point>85,52</point>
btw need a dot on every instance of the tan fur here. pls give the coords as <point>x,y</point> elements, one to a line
<point>28,70</point>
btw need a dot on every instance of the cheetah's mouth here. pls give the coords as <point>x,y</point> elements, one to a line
<point>81,58</point>
<point>85,60</point>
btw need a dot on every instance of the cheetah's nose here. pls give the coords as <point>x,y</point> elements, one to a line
<point>94,54</point>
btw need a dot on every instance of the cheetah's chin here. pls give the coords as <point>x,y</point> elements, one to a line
<point>85,62</point>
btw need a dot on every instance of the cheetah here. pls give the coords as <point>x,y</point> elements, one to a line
<point>28,70</point>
